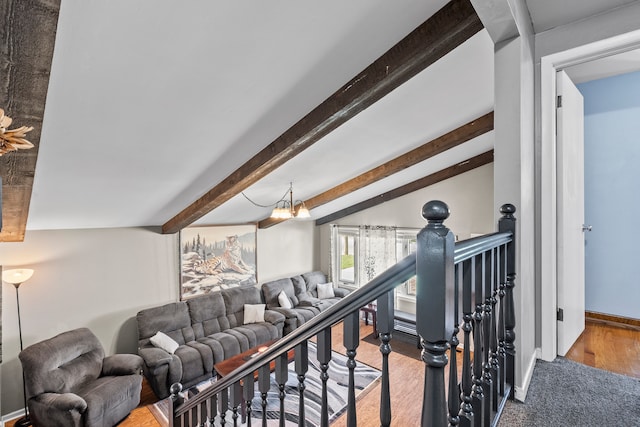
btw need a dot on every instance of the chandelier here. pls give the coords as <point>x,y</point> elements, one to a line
<point>12,139</point>
<point>285,207</point>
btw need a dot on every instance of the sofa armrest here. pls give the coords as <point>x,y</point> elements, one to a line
<point>154,356</point>
<point>121,364</point>
<point>341,292</point>
<point>64,402</point>
<point>273,316</point>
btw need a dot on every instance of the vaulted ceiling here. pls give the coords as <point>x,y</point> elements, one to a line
<point>151,106</point>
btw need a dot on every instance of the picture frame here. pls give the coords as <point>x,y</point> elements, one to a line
<point>217,257</point>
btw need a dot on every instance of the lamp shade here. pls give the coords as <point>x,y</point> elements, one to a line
<point>17,276</point>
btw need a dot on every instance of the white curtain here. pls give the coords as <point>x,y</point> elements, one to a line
<point>376,251</point>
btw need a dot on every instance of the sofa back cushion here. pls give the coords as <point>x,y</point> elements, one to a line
<point>312,279</point>
<point>208,314</point>
<point>271,290</point>
<point>63,363</point>
<point>234,301</point>
<point>172,319</point>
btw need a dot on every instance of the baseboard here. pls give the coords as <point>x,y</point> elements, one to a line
<point>12,416</point>
<point>613,320</point>
<point>521,392</point>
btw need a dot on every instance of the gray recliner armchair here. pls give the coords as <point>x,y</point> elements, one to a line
<point>69,381</point>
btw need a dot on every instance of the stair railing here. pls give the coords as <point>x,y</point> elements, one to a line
<point>451,278</point>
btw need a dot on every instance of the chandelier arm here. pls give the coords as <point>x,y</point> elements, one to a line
<point>266,206</point>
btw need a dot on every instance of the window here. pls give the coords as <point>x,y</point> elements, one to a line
<point>360,253</point>
<point>346,240</point>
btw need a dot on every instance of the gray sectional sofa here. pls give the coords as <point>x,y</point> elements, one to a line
<point>303,294</point>
<point>207,329</point>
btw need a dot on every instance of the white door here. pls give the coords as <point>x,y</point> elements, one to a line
<point>570,209</point>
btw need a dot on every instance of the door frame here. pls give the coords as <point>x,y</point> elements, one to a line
<point>549,66</point>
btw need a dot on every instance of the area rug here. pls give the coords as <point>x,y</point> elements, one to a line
<point>566,393</point>
<point>365,378</point>
<point>401,343</point>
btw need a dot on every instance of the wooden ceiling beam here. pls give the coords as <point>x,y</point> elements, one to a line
<point>452,25</point>
<point>428,180</point>
<point>26,49</point>
<point>445,142</point>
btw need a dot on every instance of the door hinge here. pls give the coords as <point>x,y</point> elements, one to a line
<point>560,315</point>
<point>559,101</point>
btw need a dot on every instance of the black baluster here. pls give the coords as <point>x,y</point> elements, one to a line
<point>236,401</point>
<point>282,375</point>
<point>248,390</point>
<point>501,339</point>
<point>324,357</point>
<point>212,408</point>
<point>434,318</point>
<point>302,366</point>
<point>454,388</point>
<point>508,223</point>
<point>466,408</point>
<point>351,339</point>
<point>495,363</point>
<point>224,405</point>
<point>487,379</point>
<point>384,319</point>
<point>264,383</point>
<point>477,390</point>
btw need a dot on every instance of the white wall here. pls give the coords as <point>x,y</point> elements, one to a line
<point>285,250</point>
<point>100,279</point>
<point>94,278</point>
<point>470,200</point>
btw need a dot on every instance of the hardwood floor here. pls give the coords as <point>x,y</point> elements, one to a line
<point>601,345</point>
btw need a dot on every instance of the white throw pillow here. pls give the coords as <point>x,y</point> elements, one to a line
<point>325,290</point>
<point>253,313</point>
<point>284,300</point>
<point>165,342</point>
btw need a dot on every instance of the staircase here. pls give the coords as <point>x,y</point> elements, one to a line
<point>463,288</point>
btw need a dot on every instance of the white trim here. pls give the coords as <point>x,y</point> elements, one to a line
<point>12,416</point>
<point>521,392</point>
<point>549,65</point>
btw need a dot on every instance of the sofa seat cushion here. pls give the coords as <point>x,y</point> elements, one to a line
<point>196,359</point>
<point>110,399</point>
<point>222,344</point>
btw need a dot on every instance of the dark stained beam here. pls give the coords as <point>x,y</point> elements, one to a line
<point>27,35</point>
<point>428,180</point>
<point>436,146</point>
<point>452,25</point>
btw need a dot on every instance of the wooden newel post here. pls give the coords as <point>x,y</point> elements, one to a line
<point>435,307</point>
<point>175,400</point>
<point>508,224</point>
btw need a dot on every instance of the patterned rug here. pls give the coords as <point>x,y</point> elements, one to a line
<point>365,378</point>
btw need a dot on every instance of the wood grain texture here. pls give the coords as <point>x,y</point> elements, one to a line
<point>458,136</point>
<point>600,345</point>
<point>27,37</point>
<point>452,25</point>
<point>451,171</point>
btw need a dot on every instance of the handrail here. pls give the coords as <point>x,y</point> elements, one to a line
<point>469,248</point>
<point>381,284</point>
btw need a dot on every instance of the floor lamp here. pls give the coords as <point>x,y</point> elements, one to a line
<point>16,278</point>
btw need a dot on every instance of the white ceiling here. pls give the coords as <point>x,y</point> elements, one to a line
<point>548,14</point>
<point>150,105</point>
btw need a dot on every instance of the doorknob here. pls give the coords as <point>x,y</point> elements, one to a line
<point>586,227</point>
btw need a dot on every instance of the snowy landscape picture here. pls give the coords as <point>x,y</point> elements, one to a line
<point>217,257</point>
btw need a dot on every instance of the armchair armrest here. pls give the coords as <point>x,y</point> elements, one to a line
<point>341,292</point>
<point>273,317</point>
<point>64,402</point>
<point>121,364</point>
<point>154,356</point>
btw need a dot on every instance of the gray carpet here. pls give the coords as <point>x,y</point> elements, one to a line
<point>565,393</point>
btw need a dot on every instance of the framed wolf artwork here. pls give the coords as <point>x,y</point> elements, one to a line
<point>216,257</point>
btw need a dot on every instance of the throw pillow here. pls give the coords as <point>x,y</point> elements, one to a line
<point>284,300</point>
<point>325,290</point>
<point>165,342</point>
<point>253,313</point>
